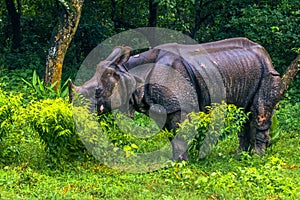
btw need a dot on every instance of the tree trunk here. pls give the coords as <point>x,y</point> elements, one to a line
<point>289,74</point>
<point>152,19</point>
<point>70,16</point>
<point>15,19</point>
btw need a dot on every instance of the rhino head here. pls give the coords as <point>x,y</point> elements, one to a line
<point>111,85</point>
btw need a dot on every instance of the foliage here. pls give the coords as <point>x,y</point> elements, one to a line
<point>218,176</point>
<point>9,104</point>
<point>221,121</point>
<point>288,116</point>
<point>43,131</point>
<point>17,140</point>
<point>53,121</point>
<point>41,91</point>
<point>10,80</point>
<point>138,135</point>
<point>271,26</point>
<point>141,134</point>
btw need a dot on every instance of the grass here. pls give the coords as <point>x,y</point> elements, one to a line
<point>221,175</point>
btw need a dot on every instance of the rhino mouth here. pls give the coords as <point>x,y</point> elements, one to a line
<point>102,107</point>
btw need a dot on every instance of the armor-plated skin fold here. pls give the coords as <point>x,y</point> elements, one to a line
<point>173,80</point>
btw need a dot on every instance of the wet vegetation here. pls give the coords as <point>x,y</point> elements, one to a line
<point>42,155</point>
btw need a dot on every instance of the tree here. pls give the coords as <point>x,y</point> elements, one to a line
<point>67,26</point>
<point>152,19</point>
<point>14,13</point>
<point>289,75</point>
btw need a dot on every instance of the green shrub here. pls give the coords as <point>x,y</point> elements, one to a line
<point>137,135</point>
<point>141,135</point>
<point>40,91</point>
<point>208,128</point>
<point>9,105</point>
<point>289,117</point>
<point>53,120</point>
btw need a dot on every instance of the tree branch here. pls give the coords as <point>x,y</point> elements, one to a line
<point>289,75</point>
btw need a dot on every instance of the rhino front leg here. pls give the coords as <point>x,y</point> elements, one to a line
<point>179,144</point>
<point>180,148</point>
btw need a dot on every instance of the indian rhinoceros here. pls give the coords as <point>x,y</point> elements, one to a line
<point>173,80</point>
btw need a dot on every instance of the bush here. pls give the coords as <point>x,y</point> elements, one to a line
<point>141,135</point>
<point>289,117</point>
<point>9,104</point>
<point>208,128</point>
<point>53,121</point>
<point>38,90</point>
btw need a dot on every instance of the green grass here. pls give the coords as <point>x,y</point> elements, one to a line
<point>221,175</point>
<point>26,172</point>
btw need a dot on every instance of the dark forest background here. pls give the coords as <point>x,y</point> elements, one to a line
<point>27,26</point>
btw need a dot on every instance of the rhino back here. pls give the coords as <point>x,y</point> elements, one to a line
<point>241,70</point>
<point>230,69</point>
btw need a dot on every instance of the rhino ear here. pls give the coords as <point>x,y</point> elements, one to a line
<point>119,55</point>
<point>124,56</point>
<point>115,54</point>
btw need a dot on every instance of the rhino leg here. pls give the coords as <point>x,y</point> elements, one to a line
<point>180,148</point>
<point>247,137</point>
<point>262,141</point>
<point>179,145</point>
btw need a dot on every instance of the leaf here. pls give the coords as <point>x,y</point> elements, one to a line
<point>64,93</point>
<point>134,146</point>
<point>34,79</point>
<point>26,82</point>
<point>41,86</point>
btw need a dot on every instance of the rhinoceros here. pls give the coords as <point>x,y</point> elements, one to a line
<point>173,80</point>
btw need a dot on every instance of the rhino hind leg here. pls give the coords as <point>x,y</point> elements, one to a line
<point>262,141</point>
<point>252,138</point>
<point>247,137</point>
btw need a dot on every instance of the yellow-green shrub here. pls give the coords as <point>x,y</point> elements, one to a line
<point>53,120</point>
<point>9,104</point>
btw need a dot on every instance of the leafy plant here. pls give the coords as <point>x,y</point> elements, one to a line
<point>141,135</point>
<point>44,92</point>
<point>9,105</point>
<point>53,121</point>
<point>289,117</point>
<point>209,128</point>
<point>137,135</point>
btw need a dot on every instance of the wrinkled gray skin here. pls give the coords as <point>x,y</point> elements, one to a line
<point>247,75</point>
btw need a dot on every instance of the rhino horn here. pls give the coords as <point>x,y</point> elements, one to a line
<point>72,88</point>
<point>288,75</point>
